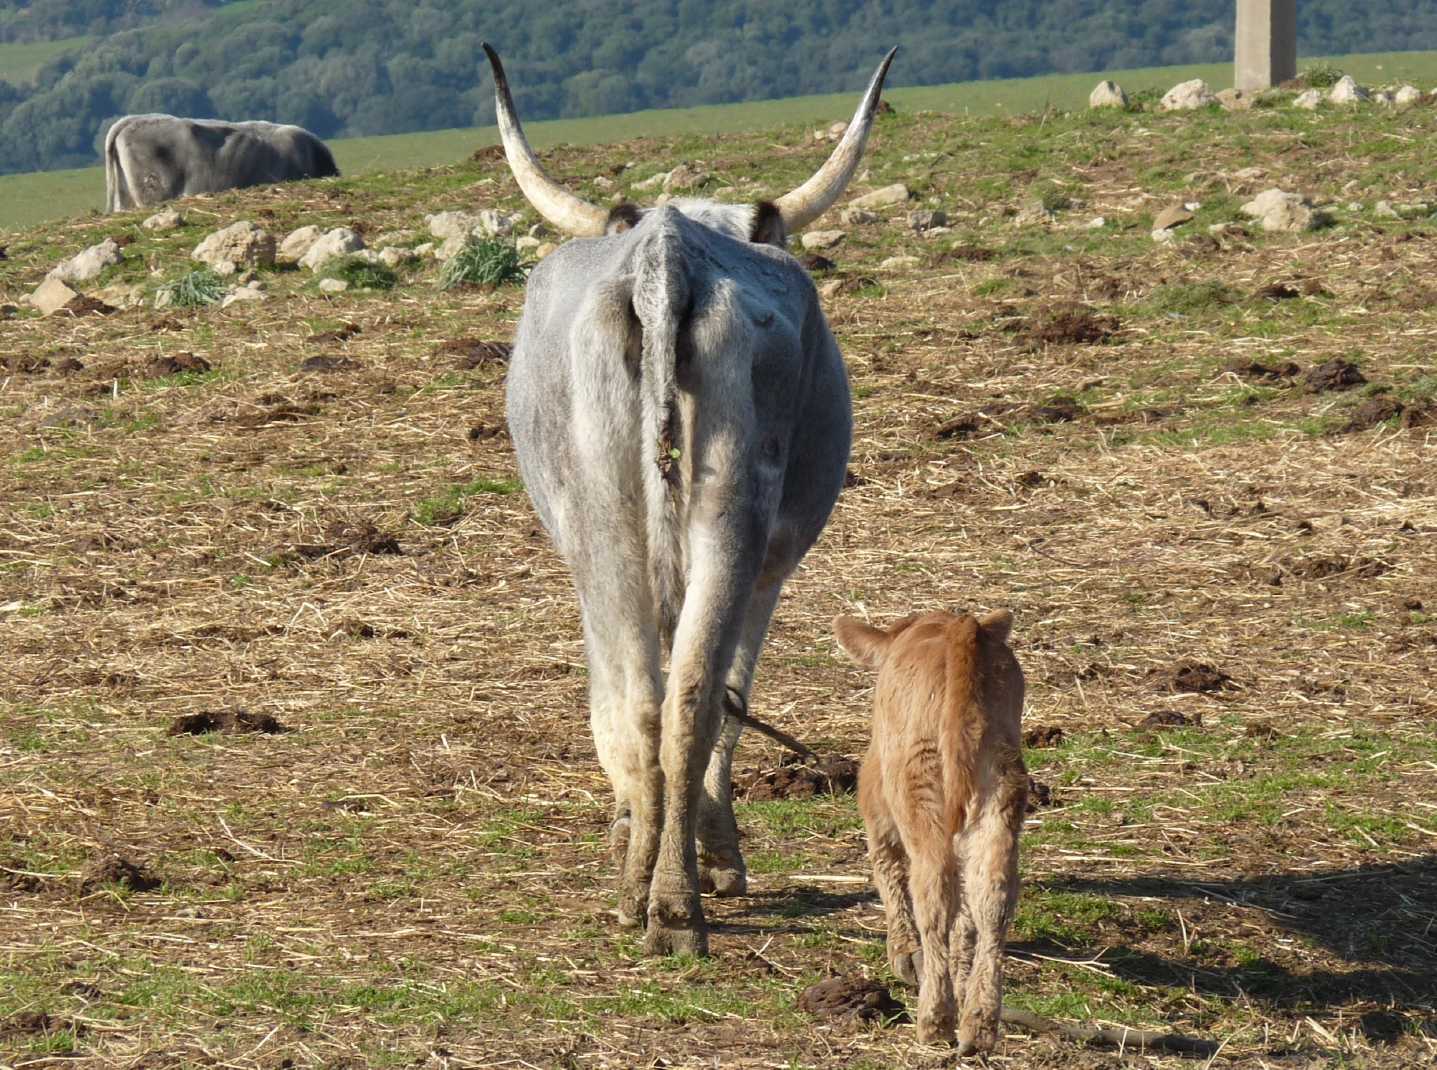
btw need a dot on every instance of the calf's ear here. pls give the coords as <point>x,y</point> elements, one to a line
<point>864,643</point>
<point>997,624</point>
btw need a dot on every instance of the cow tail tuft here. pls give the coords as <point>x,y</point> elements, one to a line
<point>662,299</point>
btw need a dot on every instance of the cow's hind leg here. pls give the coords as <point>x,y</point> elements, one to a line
<point>990,892</point>
<point>721,866</point>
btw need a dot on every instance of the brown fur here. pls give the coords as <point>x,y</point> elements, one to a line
<point>942,792</point>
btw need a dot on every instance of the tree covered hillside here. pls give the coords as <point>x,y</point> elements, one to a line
<point>389,66</point>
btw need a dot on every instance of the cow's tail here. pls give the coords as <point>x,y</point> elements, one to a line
<point>662,299</point>
<point>961,734</point>
<point>114,171</point>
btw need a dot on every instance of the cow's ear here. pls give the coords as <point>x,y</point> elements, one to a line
<point>623,217</point>
<point>768,228</point>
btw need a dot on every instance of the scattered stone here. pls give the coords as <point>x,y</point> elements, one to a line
<point>1046,735</point>
<point>1172,216</point>
<point>684,178</point>
<point>116,870</point>
<point>51,296</point>
<point>238,245</point>
<point>1309,99</point>
<point>796,779</point>
<point>229,722</point>
<point>1034,213</point>
<point>296,243</point>
<point>851,997</point>
<point>527,244</point>
<point>393,237</point>
<point>1335,374</point>
<point>486,223</point>
<point>927,219</point>
<point>1374,411</point>
<point>900,263</point>
<point>885,197</point>
<point>648,185</point>
<point>1384,97</point>
<point>603,182</point>
<point>84,266</point>
<point>424,249</point>
<point>1280,211</point>
<point>333,286</point>
<point>165,219</point>
<point>1187,96</point>
<point>332,244</point>
<point>392,256</point>
<point>1097,223</point>
<point>1107,94</point>
<point>859,217</point>
<point>822,239</point>
<point>1347,91</point>
<point>249,292</point>
<point>1407,96</point>
<point>1384,210</point>
<point>122,294</point>
<point>1235,100</point>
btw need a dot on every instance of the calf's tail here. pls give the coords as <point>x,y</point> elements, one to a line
<point>961,736</point>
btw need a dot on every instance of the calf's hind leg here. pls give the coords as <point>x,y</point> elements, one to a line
<point>890,876</point>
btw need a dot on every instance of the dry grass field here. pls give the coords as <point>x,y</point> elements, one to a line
<point>389,848</point>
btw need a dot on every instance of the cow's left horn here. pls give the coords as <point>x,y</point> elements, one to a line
<point>557,205</point>
<point>816,196</point>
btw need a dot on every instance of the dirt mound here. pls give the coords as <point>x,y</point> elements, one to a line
<point>1335,374</point>
<point>1043,735</point>
<point>129,875</point>
<point>967,254</point>
<point>31,1024</point>
<point>851,997</point>
<point>279,410</point>
<point>1191,677</point>
<point>343,333</point>
<point>1169,719</point>
<point>326,363</point>
<point>484,432</point>
<point>796,779</point>
<point>1278,291</point>
<point>1374,411</point>
<point>473,352</point>
<point>1071,325</point>
<point>180,362</point>
<point>1264,373</point>
<point>230,722</point>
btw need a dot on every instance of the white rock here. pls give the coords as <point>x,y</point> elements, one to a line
<point>885,197</point>
<point>648,185</point>
<point>603,182</point>
<point>84,266</point>
<point>241,244</point>
<point>837,130</point>
<point>167,219</point>
<point>822,239</point>
<point>1280,211</point>
<point>1384,210</point>
<point>391,256</point>
<point>1107,94</point>
<point>296,243</point>
<point>927,219</point>
<point>1097,223</point>
<point>122,294</point>
<point>1185,96</point>
<point>900,263</point>
<point>684,178</point>
<point>1385,98</point>
<point>426,249</point>
<point>252,292</point>
<point>936,232</point>
<point>1034,213</point>
<point>1249,174</point>
<point>1235,100</point>
<point>1407,95</point>
<point>527,244</point>
<point>1347,91</point>
<point>1310,99</point>
<point>51,296</point>
<point>393,237</point>
<point>1164,237</point>
<point>486,223</point>
<point>341,241</point>
<point>859,217</point>
<point>333,286</point>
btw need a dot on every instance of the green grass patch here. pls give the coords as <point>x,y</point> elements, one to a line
<point>193,289</point>
<point>360,274</point>
<point>482,262</point>
<point>449,506</point>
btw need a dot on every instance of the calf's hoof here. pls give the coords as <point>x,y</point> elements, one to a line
<point>676,925</point>
<point>907,966</point>
<point>633,906</point>
<point>935,1028</point>
<point>977,1034</point>
<point>723,881</point>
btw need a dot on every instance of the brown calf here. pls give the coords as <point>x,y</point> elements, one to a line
<point>942,792</point>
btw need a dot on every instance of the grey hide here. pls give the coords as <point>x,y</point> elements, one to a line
<point>682,421</point>
<point>153,158</point>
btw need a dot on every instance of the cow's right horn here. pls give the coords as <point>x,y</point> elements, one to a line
<point>805,204</point>
<point>557,205</point>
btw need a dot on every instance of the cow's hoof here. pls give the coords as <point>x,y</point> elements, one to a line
<point>907,966</point>
<point>676,925</point>
<point>723,881</point>
<point>977,1034</point>
<point>633,907</point>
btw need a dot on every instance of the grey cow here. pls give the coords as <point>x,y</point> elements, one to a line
<point>682,421</point>
<point>153,158</point>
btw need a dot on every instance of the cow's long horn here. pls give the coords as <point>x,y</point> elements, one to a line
<point>557,205</point>
<point>805,204</point>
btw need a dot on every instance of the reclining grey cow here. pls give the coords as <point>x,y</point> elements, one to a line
<point>153,158</point>
<point>682,421</point>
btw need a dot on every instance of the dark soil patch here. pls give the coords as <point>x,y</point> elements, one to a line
<point>817,263</point>
<point>851,997</point>
<point>1074,325</point>
<point>1261,730</point>
<point>1323,566</point>
<point>484,432</point>
<point>84,305</point>
<point>1278,291</point>
<point>1043,735</point>
<point>69,366</point>
<point>180,362</point>
<point>854,283</point>
<point>1374,411</point>
<point>325,363</point>
<point>282,411</point>
<point>796,779</point>
<point>1040,796</point>
<point>967,254</point>
<point>34,1023</point>
<point>131,876</point>
<point>1335,374</point>
<point>473,352</point>
<point>1168,719</point>
<point>346,540</point>
<point>342,333</point>
<point>1265,373</point>
<point>970,424</point>
<point>230,722</point>
<point>1059,410</point>
<point>1192,677</point>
